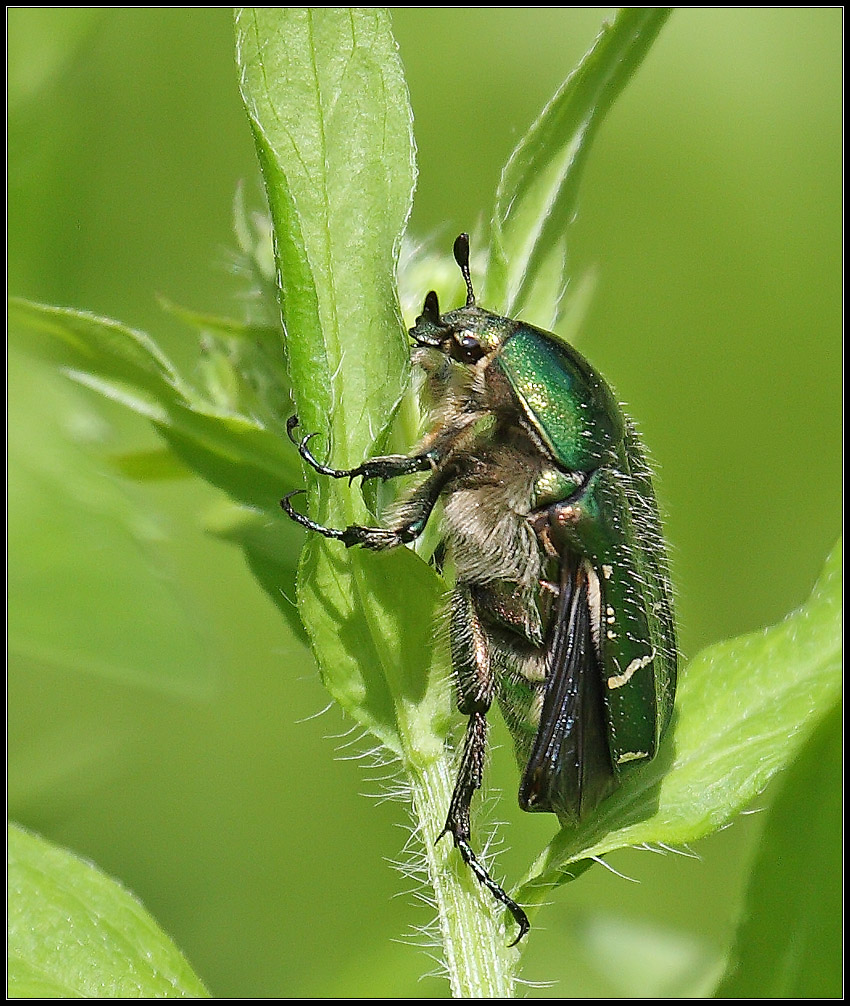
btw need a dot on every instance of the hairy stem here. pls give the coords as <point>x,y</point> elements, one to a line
<point>479,963</point>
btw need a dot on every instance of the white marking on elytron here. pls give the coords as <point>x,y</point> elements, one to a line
<point>611,634</point>
<point>607,571</point>
<point>594,602</point>
<point>631,756</point>
<point>616,680</point>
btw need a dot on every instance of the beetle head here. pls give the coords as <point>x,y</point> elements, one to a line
<point>466,334</point>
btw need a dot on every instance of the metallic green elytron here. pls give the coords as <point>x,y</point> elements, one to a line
<point>562,605</point>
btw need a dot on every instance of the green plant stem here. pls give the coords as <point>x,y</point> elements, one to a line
<point>478,960</point>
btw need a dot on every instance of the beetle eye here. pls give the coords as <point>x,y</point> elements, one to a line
<point>466,348</point>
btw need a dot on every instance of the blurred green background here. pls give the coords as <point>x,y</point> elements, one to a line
<point>159,708</point>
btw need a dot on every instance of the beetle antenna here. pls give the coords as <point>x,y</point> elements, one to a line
<point>461,250</point>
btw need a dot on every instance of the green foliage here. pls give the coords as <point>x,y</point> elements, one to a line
<point>75,933</point>
<point>52,548</point>
<point>329,113</point>
<point>537,197</point>
<point>789,945</point>
<point>327,103</point>
<point>239,450</point>
<point>328,107</point>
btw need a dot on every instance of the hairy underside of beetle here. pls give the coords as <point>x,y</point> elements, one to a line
<point>519,608</point>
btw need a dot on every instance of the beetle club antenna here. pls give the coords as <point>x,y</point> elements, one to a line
<point>461,250</point>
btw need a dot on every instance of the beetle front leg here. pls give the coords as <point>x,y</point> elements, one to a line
<point>412,517</point>
<point>475,684</point>
<point>388,467</point>
<point>375,538</point>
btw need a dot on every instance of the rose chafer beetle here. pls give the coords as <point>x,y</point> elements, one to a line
<point>562,605</point>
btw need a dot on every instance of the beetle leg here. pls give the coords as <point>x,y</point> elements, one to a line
<point>375,538</point>
<point>469,778</point>
<point>509,607</point>
<point>388,467</point>
<point>433,451</point>
<point>475,684</point>
<point>412,517</point>
<point>438,559</point>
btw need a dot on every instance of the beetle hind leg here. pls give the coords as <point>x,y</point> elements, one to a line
<point>483,877</point>
<point>475,686</point>
<point>457,823</point>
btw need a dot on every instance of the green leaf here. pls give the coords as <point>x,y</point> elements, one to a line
<point>106,350</point>
<point>68,522</point>
<point>227,327</point>
<point>743,710</point>
<point>158,465</point>
<point>74,933</point>
<point>238,454</point>
<point>637,959</point>
<point>328,106</point>
<point>241,363</point>
<point>536,199</point>
<point>790,941</point>
<point>244,453</point>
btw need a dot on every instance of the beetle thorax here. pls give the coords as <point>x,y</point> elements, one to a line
<point>486,521</point>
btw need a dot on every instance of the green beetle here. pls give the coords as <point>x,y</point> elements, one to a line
<point>562,605</point>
